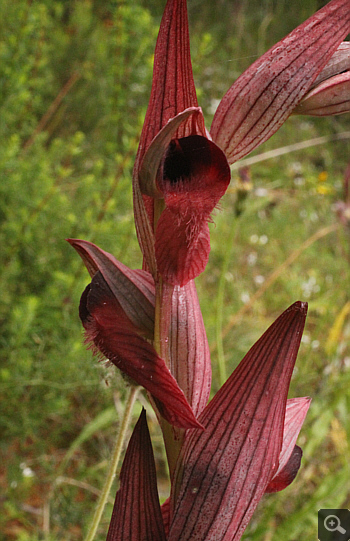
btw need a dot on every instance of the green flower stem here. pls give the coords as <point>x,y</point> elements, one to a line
<point>113,463</point>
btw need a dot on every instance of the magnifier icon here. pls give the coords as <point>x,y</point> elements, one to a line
<point>332,524</point>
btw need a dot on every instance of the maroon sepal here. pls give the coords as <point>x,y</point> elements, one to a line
<point>133,289</point>
<point>136,513</point>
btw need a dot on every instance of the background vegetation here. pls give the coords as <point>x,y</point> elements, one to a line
<point>74,82</point>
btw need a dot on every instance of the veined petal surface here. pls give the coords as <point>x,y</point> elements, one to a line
<point>190,355</point>
<point>136,513</point>
<point>263,97</point>
<point>225,469</point>
<point>331,97</point>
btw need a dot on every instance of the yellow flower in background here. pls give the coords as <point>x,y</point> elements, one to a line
<point>323,176</point>
<point>324,189</point>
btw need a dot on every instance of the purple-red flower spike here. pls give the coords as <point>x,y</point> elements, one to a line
<point>223,472</point>
<point>117,312</point>
<point>136,513</point>
<point>176,162</point>
<point>263,97</point>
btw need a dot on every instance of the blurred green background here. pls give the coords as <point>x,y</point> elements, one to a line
<point>75,78</point>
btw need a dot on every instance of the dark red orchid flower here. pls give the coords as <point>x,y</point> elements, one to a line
<point>117,312</point>
<point>247,449</point>
<point>177,162</point>
<point>180,172</point>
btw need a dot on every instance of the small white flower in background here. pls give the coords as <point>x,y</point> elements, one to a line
<point>315,344</point>
<point>26,470</point>
<point>252,258</point>
<point>264,239</point>
<point>305,339</point>
<point>245,297</point>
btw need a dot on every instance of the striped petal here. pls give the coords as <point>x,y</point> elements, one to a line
<point>223,471</point>
<point>136,513</point>
<point>190,355</point>
<point>331,97</point>
<point>263,97</point>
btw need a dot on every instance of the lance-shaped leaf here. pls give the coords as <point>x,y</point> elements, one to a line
<point>173,91</point>
<point>263,97</point>
<point>190,355</point>
<point>136,513</point>
<point>331,97</point>
<point>290,456</point>
<point>223,471</point>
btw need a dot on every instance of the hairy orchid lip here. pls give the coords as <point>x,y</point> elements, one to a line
<point>193,177</point>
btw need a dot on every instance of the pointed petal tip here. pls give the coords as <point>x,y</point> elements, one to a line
<point>74,242</point>
<point>300,305</point>
<point>137,518</point>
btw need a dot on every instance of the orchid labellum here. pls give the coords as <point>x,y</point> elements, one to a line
<point>225,455</point>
